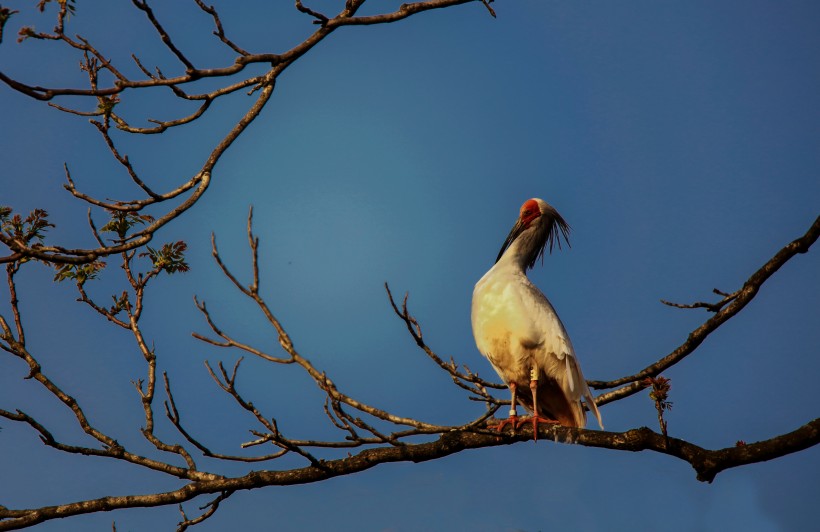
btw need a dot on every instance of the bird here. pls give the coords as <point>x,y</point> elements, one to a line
<point>517,329</point>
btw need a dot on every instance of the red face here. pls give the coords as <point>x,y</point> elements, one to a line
<point>529,212</point>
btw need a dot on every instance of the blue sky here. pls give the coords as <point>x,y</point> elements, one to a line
<point>679,140</point>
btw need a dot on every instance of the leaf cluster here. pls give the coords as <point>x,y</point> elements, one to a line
<point>106,104</point>
<point>25,230</point>
<point>122,221</point>
<point>660,391</point>
<point>170,258</point>
<point>120,303</point>
<point>78,272</point>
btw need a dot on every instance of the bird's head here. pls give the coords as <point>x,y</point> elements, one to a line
<point>538,224</point>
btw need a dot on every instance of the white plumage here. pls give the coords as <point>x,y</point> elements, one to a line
<point>519,332</point>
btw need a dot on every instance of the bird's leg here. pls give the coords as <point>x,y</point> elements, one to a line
<point>513,413</point>
<point>536,417</point>
<point>513,418</point>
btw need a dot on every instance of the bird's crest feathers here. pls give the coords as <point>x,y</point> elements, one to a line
<point>541,225</point>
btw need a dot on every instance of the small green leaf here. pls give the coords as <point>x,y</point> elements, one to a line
<point>78,272</point>
<point>33,227</point>
<point>106,104</point>
<point>120,303</point>
<point>122,221</point>
<point>170,258</point>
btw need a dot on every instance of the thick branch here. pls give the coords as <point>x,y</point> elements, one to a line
<point>706,463</point>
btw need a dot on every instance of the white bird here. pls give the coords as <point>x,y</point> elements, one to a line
<point>519,332</point>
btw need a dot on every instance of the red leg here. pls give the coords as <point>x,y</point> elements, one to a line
<point>536,417</point>
<point>513,417</point>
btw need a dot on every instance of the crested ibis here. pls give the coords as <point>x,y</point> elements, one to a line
<point>518,331</point>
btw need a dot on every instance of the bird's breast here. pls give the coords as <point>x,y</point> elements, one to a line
<point>515,326</point>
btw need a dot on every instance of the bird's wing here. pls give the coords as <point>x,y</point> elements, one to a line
<point>515,325</point>
<point>547,338</point>
<point>539,327</point>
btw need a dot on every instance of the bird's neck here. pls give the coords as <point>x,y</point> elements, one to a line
<point>521,253</point>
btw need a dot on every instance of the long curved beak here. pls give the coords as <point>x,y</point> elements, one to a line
<point>514,232</point>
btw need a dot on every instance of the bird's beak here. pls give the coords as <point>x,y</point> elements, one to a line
<point>517,229</point>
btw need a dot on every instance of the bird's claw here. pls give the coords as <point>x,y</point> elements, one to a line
<point>512,420</point>
<point>535,420</point>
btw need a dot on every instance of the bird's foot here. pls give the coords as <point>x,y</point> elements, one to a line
<point>535,420</point>
<point>512,420</point>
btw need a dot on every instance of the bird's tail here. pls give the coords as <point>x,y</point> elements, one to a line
<point>576,380</point>
<point>590,401</point>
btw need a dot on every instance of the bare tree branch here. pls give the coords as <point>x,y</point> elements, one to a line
<point>707,464</point>
<point>96,61</point>
<point>736,303</point>
<point>376,435</point>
